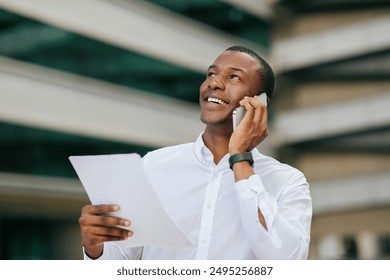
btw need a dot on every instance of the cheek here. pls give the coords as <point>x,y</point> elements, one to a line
<point>238,93</point>
<point>249,91</point>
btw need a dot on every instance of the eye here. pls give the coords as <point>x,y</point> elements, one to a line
<point>235,77</point>
<point>210,74</point>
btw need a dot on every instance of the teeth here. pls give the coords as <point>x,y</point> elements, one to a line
<point>216,100</point>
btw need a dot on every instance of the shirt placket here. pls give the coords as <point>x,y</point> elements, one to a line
<point>208,216</point>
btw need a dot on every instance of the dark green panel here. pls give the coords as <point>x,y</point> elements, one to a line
<point>42,152</point>
<point>313,6</point>
<point>37,43</point>
<point>25,240</point>
<point>222,16</point>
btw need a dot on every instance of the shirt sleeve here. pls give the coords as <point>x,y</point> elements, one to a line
<point>111,251</point>
<point>288,219</point>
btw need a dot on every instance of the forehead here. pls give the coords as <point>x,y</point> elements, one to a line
<point>237,59</point>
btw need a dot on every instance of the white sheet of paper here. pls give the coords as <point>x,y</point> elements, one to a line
<point>120,179</point>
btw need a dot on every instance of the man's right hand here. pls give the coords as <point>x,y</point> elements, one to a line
<point>96,227</point>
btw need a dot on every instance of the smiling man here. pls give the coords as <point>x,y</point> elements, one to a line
<point>230,201</point>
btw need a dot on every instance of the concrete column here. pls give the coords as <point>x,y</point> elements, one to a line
<point>367,243</point>
<point>330,247</point>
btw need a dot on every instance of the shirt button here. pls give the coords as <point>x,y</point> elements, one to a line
<point>209,206</point>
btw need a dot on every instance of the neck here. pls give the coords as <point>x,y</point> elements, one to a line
<point>217,140</point>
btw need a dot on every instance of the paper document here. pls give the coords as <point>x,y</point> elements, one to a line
<point>120,179</point>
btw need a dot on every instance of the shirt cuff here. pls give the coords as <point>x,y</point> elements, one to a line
<point>247,188</point>
<point>252,190</point>
<point>86,257</point>
<point>107,253</point>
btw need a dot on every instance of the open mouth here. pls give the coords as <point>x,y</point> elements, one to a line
<point>216,101</point>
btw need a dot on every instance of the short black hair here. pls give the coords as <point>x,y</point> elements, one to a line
<point>266,75</point>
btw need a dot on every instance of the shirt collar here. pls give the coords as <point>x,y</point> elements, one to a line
<point>205,156</point>
<point>199,147</point>
<point>201,151</point>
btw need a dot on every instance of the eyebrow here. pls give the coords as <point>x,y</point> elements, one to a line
<point>238,69</point>
<point>232,68</point>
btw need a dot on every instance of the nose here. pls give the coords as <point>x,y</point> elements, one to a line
<point>216,83</point>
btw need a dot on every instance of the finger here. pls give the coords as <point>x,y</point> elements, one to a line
<point>260,113</point>
<point>89,232</point>
<point>259,109</point>
<point>98,235</point>
<point>98,210</point>
<point>249,110</point>
<point>110,221</point>
<point>104,238</point>
<point>254,101</point>
<point>111,231</point>
<point>103,208</point>
<point>244,100</point>
<point>254,109</point>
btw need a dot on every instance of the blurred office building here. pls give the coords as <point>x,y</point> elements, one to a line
<point>100,77</point>
<point>332,119</point>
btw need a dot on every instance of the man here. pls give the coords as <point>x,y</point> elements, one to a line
<point>228,199</point>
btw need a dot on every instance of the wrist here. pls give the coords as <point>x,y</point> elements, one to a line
<point>240,157</point>
<point>233,151</point>
<point>93,253</point>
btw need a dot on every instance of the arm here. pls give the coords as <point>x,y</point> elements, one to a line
<point>242,170</point>
<point>252,131</point>
<point>277,229</point>
<point>112,251</point>
<point>287,231</point>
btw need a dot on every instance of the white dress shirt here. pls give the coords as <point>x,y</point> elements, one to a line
<point>220,216</point>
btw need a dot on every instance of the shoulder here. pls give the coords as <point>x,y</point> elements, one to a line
<point>273,164</point>
<point>275,171</point>
<point>170,150</point>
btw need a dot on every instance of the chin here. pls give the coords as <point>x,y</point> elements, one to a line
<point>204,120</point>
<point>213,122</point>
<point>215,119</point>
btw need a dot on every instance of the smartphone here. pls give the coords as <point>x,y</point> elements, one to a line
<point>239,113</point>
